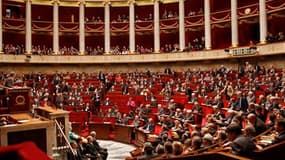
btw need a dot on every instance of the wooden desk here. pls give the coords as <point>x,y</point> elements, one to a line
<point>102,129</point>
<point>140,137</point>
<point>27,128</point>
<point>123,133</point>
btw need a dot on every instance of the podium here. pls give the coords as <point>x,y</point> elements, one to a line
<point>25,128</point>
<point>123,133</point>
<point>18,99</point>
<point>62,117</point>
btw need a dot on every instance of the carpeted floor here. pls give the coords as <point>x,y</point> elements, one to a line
<point>116,150</point>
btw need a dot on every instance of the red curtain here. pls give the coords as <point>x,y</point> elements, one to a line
<point>219,5</point>
<point>192,34</point>
<point>40,13</point>
<point>173,7</point>
<point>248,31</point>
<point>94,12</point>
<point>221,36</point>
<point>144,11</point>
<point>116,11</point>
<point>65,14</point>
<point>276,23</point>
<point>14,38</point>
<point>120,40</point>
<point>68,40</point>
<point>94,40</point>
<point>145,40</point>
<point>42,40</point>
<point>169,38</point>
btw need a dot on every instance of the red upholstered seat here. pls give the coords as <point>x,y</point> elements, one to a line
<point>81,117</point>
<point>22,151</point>
<point>207,110</point>
<point>157,129</point>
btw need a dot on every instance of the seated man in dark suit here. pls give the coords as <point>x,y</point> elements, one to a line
<point>149,126</point>
<point>90,149</point>
<point>74,154</point>
<point>240,144</point>
<point>280,128</point>
<point>102,151</point>
<point>257,123</point>
<point>148,152</point>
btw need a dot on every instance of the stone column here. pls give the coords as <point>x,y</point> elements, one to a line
<point>132,40</point>
<point>262,21</point>
<point>181,26</point>
<point>208,43</point>
<point>107,27</point>
<point>28,27</point>
<point>82,27</point>
<point>234,23</point>
<point>156,27</point>
<point>55,27</point>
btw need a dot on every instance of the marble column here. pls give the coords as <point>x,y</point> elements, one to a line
<point>82,27</point>
<point>107,27</point>
<point>156,27</point>
<point>208,43</point>
<point>181,26</point>
<point>132,40</point>
<point>28,27</point>
<point>55,27</point>
<point>234,23</point>
<point>262,21</point>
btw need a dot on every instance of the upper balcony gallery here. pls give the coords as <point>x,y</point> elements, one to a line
<point>89,27</point>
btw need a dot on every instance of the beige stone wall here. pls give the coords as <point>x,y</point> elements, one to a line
<point>275,60</point>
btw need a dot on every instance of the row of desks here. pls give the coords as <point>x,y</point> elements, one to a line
<point>122,133</point>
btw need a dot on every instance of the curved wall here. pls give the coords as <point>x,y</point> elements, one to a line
<point>264,55</point>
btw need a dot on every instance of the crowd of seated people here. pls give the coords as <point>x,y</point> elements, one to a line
<point>68,51</point>
<point>94,51</point>
<point>116,50</point>
<point>85,148</point>
<point>20,49</point>
<point>196,45</point>
<point>13,49</point>
<point>275,38</point>
<point>41,50</point>
<point>170,48</point>
<point>121,18</point>
<point>93,19</point>
<point>147,18</point>
<point>169,14</point>
<point>250,98</point>
<point>193,13</point>
<point>142,50</point>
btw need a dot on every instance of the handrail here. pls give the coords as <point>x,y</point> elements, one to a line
<point>65,138</point>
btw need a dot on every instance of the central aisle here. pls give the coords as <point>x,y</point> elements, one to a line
<point>116,150</point>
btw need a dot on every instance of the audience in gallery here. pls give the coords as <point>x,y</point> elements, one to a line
<point>115,50</point>
<point>68,51</point>
<point>197,44</point>
<point>149,17</point>
<point>94,51</point>
<point>74,91</point>
<point>194,13</point>
<point>168,48</point>
<point>13,49</point>
<point>169,14</point>
<point>275,38</point>
<point>94,19</point>
<point>121,18</point>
